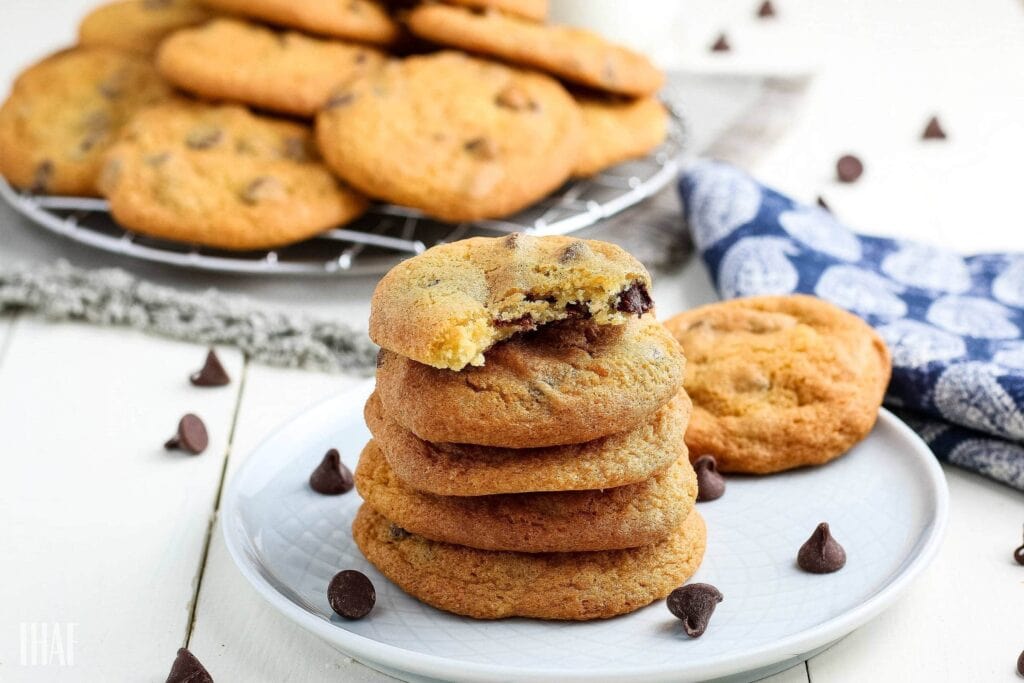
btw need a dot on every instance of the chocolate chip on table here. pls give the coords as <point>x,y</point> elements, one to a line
<point>821,554</point>
<point>822,204</point>
<point>694,604</point>
<point>351,594</point>
<point>1018,554</point>
<point>766,10</point>
<point>188,669</point>
<point>481,148</point>
<point>634,299</point>
<point>331,477</point>
<point>933,131</point>
<point>849,168</point>
<point>710,482</point>
<point>721,44</point>
<point>42,176</point>
<point>191,436</point>
<point>212,374</point>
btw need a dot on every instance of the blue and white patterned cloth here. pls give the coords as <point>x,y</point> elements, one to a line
<point>954,324</point>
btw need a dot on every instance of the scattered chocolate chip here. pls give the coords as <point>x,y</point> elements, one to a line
<point>481,148</point>
<point>397,533</point>
<point>188,669</point>
<point>710,482</point>
<point>849,168</point>
<point>340,99</point>
<point>351,594</point>
<point>516,99</point>
<point>1020,664</point>
<point>766,10</point>
<point>634,299</point>
<point>574,251</point>
<point>263,189</point>
<point>191,436</point>
<point>821,554</point>
<point>694,603</point>
<point>822,204</point>
<point>296,149</point>
<point>331,477</point>
<point>933,131</point>
<point>721,44</point>
<point>523,322</point>
<point>204,137</point>
<point>41,178</point>
<point>212,373</point>
<point>1018,555</point>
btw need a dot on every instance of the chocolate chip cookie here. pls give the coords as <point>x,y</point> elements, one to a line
<point>610,519</point>
<point>282,71</point>
<point>572,54</point>
<point>449,305</point>
<point>565,383</point>
<point>779,382</point>
<point>365,21</point>
<point>456,137</point>
<point>617,129</point>
<point>450,469</point>
<point>222,177</point>
<point>138,25</point>
<point>494,584</point>
<point>65,111</point>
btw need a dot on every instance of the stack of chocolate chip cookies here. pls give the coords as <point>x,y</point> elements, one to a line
<point>527,455</point>
<point>255,124</point>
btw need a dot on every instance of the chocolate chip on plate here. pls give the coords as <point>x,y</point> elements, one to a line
<point>694,603</point>
<point>351,594</point>
<point>933,131</point>
<point>1018,554</point>
<point>331,477</point>
<point>721,44</point>
<point>821,554</point>
<point>188,669</point>
<point>212,373</point>
<point>710,482</point>
<point>849,168</point>
<point>191,436</point>
<point>766,10</point>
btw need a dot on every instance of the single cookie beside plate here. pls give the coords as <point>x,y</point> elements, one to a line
<point>65,111</point>
<point>223,177</point>
<point>449,305</point>
<point>618,129</point>
<point>779,382</point>
<point>496,584</point>
<point>365,21</point>
<point>573,54</point>
<point>282,71</point>
<point>456,137</point>
<point>567,382</point>
<point>452,469</point>
<point>138,25</point>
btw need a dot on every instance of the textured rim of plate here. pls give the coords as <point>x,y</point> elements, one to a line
<point>442,668</point>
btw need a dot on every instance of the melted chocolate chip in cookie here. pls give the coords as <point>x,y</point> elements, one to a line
<point>204,137</point>
<point>41,178</point>
<point>635,299</point>
<point>482,148</point>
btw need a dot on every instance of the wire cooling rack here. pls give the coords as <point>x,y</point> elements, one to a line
<point>375,242</point>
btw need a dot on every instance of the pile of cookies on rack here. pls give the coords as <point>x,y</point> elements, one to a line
<point>245,124</point>
<point>527,455</point>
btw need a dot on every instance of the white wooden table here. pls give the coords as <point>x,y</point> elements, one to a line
<point>104,533</point>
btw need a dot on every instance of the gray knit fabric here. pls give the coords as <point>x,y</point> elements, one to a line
<point>114,297</point>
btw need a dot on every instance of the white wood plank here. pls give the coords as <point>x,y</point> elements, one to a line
<point>100,526</point>
<point>795,674</point>
<point>962,620</point>
<point>237,635</point>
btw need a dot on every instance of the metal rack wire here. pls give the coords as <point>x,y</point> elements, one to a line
<point>378,240</point>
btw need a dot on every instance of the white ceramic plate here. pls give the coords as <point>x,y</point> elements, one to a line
<point>886,502</point>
